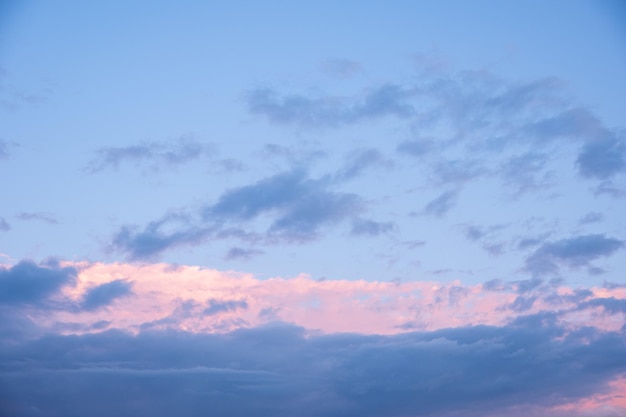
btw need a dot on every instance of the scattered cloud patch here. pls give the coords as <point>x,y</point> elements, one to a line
<point>297,208</point>
<point>442,204</point>
<point>4,226</point>
<point>104,294</point>
<point>29,283</point>
<point>223,306</point>
<point>156,154</point>
<point>341,68</point>
<point>300,205</point>
<point>241,253</point>
<point>592,217</point>
<point>157,237</point>
<point>363,227</point>
<point>385,100</point>
<point>603,158</point>
<point>574,252</point>
<point>40,216</point>
<point>4,149</point>
<point>415,148</point>
<point>362,160</point>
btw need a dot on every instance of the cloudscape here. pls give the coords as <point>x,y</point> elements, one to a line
<point>313,209</point>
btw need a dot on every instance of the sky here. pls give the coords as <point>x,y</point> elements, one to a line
<point>399,209</point>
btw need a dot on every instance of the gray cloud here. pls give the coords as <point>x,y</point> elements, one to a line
<point>386,100</point>
<point>574,252</point>
<point>41,216</point>
<point>602,158</point>
<point>360,161</point>
<point>4,226</point>
<point>282,370</point>
<point>592,217</point>
<point>224,306</point>
<point>300,205</point>
<point>241,253</point>
<point>156,154</point>
<point>29,283</point>
<point>299,208</point>
<point>169,232</point>
<point>4,149</point>
<point>442,204</point>
<point>363,227</point>
<point>105,294</point>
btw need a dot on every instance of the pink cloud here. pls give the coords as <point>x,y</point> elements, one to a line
<point>179,296</point>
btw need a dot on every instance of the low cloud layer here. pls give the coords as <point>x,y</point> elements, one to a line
<point>184,340</point>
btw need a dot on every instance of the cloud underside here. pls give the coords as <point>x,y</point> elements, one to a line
<point>184,340</point>
<point>280,370</point>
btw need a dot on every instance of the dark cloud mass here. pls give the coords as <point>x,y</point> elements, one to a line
<point>282,370</point>
<point>29,283</point>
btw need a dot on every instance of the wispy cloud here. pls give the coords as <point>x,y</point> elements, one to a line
<point>40,216</point>
<point>4,226</point>
<point>299,208</point>
<point>442,204</point>
<point>155,154</point>
<point>296,109</point>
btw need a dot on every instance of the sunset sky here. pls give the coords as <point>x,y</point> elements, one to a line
<point>329,208</point>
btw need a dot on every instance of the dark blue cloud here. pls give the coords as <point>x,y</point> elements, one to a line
<point>157,154</point>
<point>223,306</point>
<point>574,252</point>
<point>105,294</point>
<point>300,205</point>
<point>299,208</point>
<point>158,236</point>
<point>29,283</point>
<point>281,370</point>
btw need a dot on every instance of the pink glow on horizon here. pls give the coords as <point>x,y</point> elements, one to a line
<point>176,296</point>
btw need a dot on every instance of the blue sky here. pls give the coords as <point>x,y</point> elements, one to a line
<point>472,145</point>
